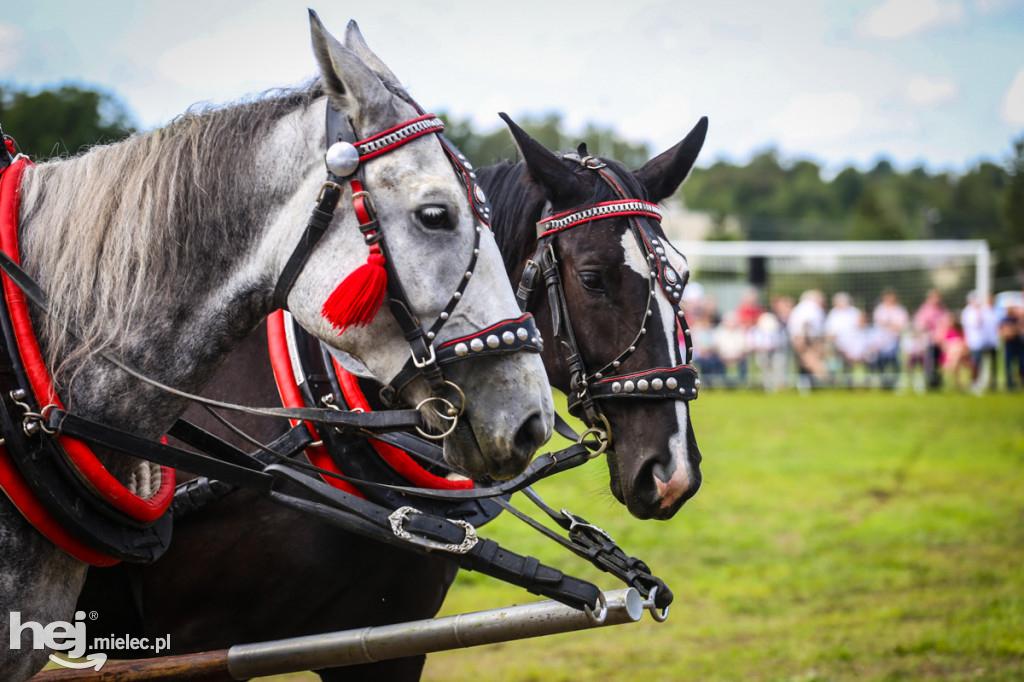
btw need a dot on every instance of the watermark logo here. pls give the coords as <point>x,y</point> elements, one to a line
<point>71,639</point>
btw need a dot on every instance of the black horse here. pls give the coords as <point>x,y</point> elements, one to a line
<point>243,569</point>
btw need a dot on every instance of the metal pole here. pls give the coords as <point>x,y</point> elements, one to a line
<point>351,647</point>
<point>384,642</point>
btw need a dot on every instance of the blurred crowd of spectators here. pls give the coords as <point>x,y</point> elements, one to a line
<point>810,344</point>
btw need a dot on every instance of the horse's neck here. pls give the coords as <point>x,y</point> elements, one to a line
<point>188,316</point>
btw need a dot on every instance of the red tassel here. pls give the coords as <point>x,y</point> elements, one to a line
<point>358,298</point>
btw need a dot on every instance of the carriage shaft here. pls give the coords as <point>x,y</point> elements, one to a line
<point>366,645</point>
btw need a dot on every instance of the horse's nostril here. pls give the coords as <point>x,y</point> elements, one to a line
<point>530,436</point>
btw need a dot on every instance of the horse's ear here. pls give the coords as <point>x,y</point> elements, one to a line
<point>350,84</point>
<point>663,174</point>
<point>559,182</point>
<point>354,41</point>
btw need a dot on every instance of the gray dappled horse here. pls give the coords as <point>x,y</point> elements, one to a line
<point>243,570</point>
<point>164,250</point>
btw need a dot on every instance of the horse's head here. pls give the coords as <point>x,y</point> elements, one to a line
<point>612,312</point>
<point>446,285</point>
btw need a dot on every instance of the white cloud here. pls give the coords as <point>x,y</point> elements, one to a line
<point>237,57</point>
<point>818,117</point>
<point>1012,111</point>
<point>10,37</point>
<point>896,19</point>
<point>929,91</point>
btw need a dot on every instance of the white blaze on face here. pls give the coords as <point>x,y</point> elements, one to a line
<point>679,481</point>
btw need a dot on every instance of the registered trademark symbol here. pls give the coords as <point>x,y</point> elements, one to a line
<point>93,615</point>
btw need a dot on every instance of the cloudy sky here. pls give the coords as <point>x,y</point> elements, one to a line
<point>939,82</point>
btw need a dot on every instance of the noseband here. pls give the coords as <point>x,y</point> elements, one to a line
<point>345,160</point>
<point>589,388</point>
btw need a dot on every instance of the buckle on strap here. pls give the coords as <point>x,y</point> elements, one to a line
<point>580,526</point>
<point>400,516</point>
<point>429,360</point>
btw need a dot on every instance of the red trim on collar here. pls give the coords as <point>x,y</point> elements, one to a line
<point>92,470</point>
<point>396,458</point>
<point>284,377</point>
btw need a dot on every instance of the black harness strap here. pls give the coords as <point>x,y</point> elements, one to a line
<point>249,476</point>
<point>596,546</point>
<point>424,531</point>
<point>319,221</point>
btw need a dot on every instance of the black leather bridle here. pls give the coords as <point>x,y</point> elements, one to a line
<point>426,359</point>
<point>588,388</point>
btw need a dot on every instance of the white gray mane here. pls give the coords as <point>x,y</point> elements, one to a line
<point>113,229</point>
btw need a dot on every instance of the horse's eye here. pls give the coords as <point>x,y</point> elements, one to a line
<point>434,217</point>
<point>592,281</point>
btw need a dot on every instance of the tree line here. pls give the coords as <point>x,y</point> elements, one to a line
<point>768,198</point>
<point>62,121</point>
<point>772,199</point>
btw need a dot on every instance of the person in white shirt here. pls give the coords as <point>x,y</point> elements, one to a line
<point>841,324</point>
<point>890,319</point>
<point>981,332</point>
<point>806,327</point>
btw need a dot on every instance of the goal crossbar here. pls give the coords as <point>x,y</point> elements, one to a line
<point>818,255</point>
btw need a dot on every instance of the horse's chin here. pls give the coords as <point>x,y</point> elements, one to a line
<point>463,451</point>
<point>644,494</point>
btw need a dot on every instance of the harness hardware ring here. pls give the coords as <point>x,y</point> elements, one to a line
<point>602,613</point>
<point>33,422</point>
<point>462,396</point>
<point>602,441</point>
<point>603,435</point>
<point>445,416</point>
<point>659,615</point>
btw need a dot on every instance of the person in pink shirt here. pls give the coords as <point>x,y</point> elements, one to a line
<point>956,356</point>
<point>926,320</point>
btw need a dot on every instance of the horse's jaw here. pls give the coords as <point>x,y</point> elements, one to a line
<point>654,480</point>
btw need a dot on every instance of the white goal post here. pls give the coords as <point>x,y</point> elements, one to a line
<point>862,268</point>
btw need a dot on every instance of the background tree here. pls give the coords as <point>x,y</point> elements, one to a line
<point>1013,209</point>
<point>484,149</point>
<point>62,121</point>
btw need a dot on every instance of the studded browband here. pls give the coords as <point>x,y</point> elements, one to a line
<point>607,209</point>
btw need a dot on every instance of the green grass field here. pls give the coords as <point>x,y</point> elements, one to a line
<point>838,536</point>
